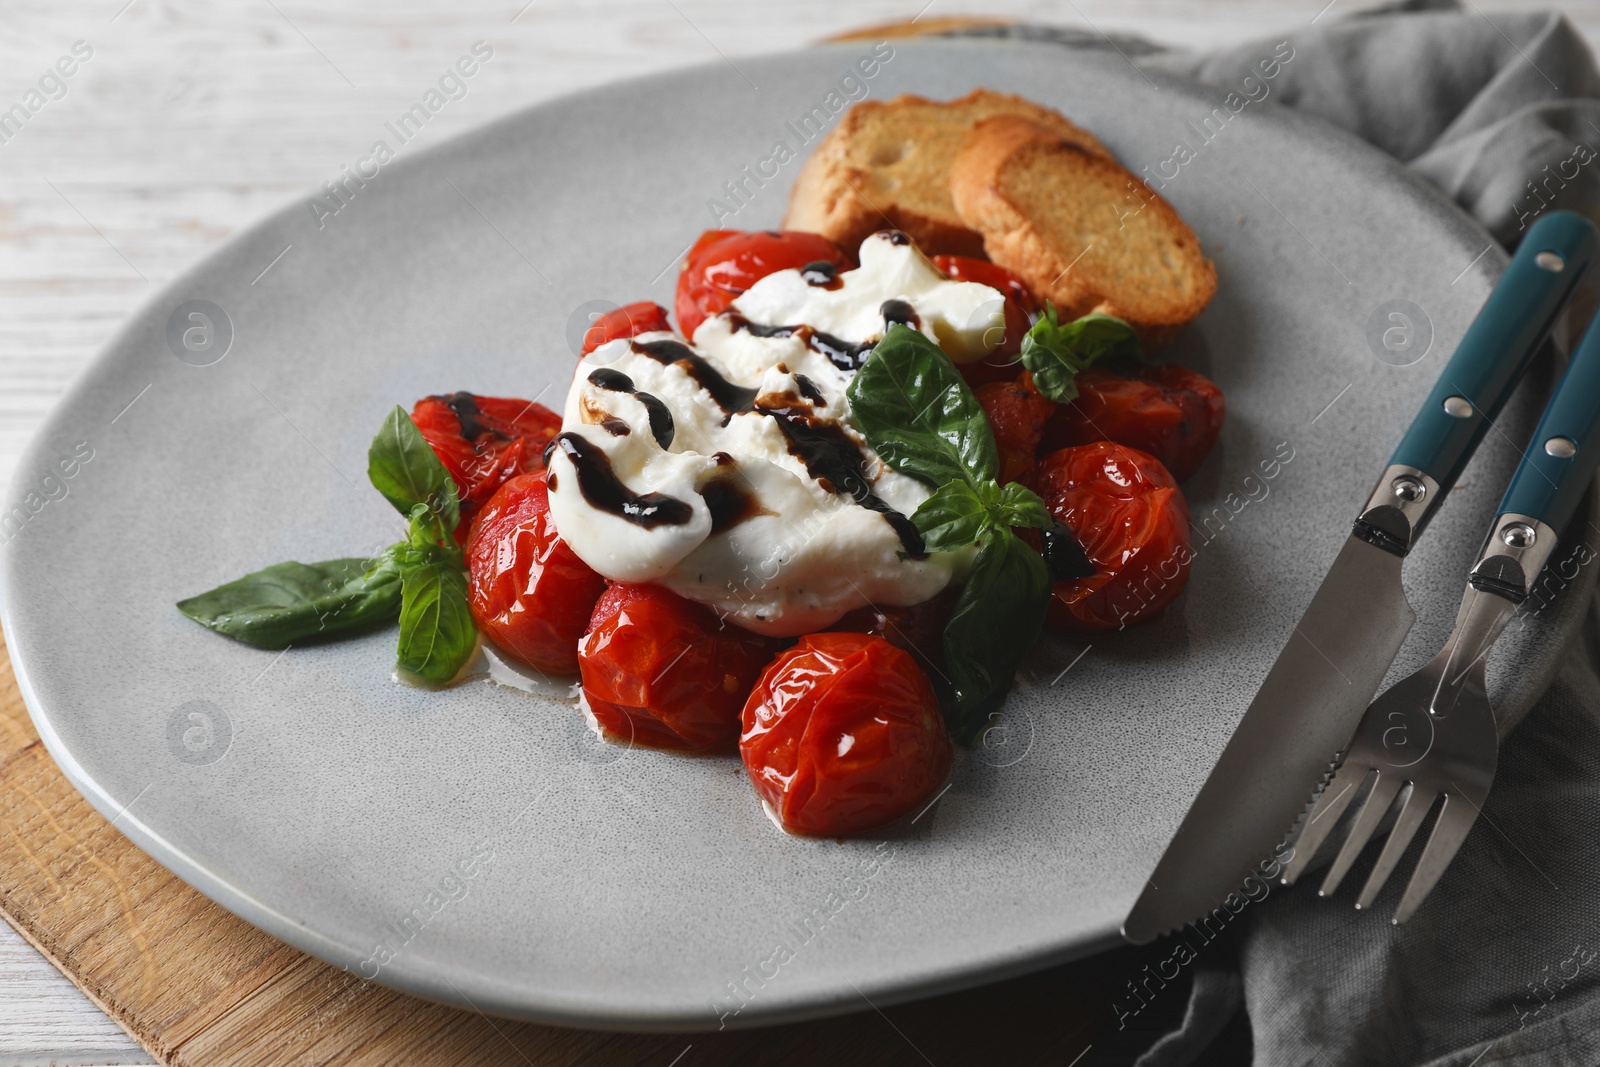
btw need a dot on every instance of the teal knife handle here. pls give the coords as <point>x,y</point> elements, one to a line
<point>1560,462</point>
<point>1519,315</point>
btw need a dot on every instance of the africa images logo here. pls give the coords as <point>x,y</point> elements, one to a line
<point>452,85</point>
<point>851,87</point>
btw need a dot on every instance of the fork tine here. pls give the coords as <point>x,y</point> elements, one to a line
<point>1413,809</point>
<point>1372,811</point>
<point>1331,802</point>
<point>1454,823</point>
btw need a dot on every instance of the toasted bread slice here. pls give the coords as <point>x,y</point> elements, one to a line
<point>886,166</point>
<point>1080,230</point>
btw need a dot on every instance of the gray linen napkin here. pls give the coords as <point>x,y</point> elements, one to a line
<point>1502,966</point>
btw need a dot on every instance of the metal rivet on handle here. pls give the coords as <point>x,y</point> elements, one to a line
<point>1458,407</point>
<point>1408,488</point>
<point>1518,535</point>
<point>1550,262</point>
<point>1561,447</point>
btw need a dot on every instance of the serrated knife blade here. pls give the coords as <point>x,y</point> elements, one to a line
<point>1302,716</point>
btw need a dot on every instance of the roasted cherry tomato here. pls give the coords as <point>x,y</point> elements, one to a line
<point>724,263</point>
<point>663,671</point>
<point>842,734</point>
<point>1020,304</point>
<point>1018,415</point>
<point>630,320</point>
<point>530,594</point>
<point>484,440</point>
<point>1129,515</point>
<point>1168,411</point>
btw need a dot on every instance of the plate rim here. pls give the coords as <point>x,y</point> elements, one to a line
<point>436,980</point>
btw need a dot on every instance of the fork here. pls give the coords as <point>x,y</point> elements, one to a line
<point>1432,736</point>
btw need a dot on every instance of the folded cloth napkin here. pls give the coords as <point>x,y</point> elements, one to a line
<point>1502,964</point>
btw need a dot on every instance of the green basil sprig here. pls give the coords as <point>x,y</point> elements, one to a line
<point>290,602</point>
<point>402,466</point>
<point>958,512</point>
<point>997,618</point>
<point>437,634</point>
<point>920,416</point>
<point>918,413</point>
<point>421,580</point>
<point>1057,351</point>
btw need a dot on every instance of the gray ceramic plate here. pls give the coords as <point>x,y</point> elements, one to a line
<point>479,845</point>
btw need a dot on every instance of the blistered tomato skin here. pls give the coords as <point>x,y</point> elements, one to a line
<point>529,593</point>
<point>663,671</point>
<point>630,320</point>
<point>1128,513</point>
<point>843,734</point>
<point>722,264</point>
<point>483,441</point>
<point>1171,412</point>
<point>1018,416</point>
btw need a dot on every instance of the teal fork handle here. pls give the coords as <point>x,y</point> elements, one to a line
<point>1519,315</point>
<point>1561,459</point>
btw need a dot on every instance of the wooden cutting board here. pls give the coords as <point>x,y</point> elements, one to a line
<point>194,984</point>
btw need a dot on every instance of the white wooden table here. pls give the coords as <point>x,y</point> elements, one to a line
<point>191,119</point>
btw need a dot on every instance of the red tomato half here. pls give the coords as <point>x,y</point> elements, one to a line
<point>630,320</point>
<point>484,440</point>
<point>1018,415</point>
<point>1020,304</point>
<point>842,734</point>
<point>1129,515</point>
<point>663,671</point>
<point>530,594</point>
<point>724,263</point>
<point>1168,411</point>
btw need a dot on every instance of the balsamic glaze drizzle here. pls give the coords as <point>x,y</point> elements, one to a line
<point>898,311</point>
<point>604,491</point>
<point>809,390</point>
<point>834,460</point>
<point>731,398</point>
<point>1063,555</point>
<point>729,505</point>
<point>822,274</point>
<point>828,454</point>
<point>465,405</point>
<point>842,354</point>
<point>662,427</point>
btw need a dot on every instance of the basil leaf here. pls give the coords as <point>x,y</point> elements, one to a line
<point>400,556</point>
<point>918,413</point>
<point>1056,351</point>
<point>426,532</point>
<point>437,634</point>
<point>1020,506</point>
<point>289,602</point>
<point>953,516</point>
<point>402,466</point>
<point>996,620</point>
<point>958,513</point>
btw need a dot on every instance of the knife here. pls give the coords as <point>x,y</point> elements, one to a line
<point>1307,708</point>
